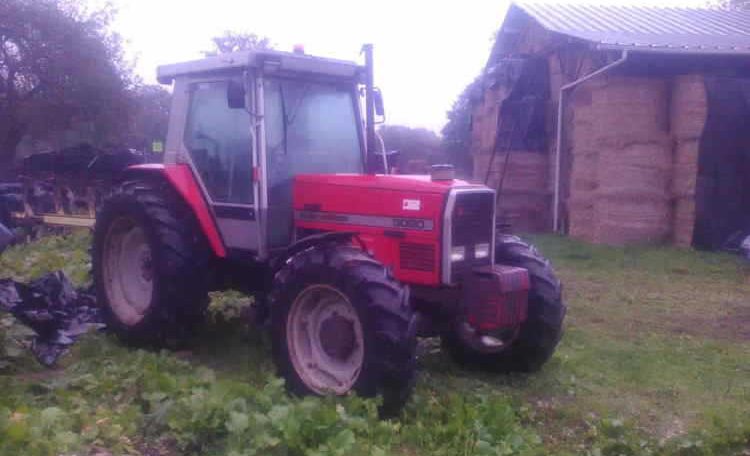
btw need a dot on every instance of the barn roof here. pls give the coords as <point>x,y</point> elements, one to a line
<point>655,29</point>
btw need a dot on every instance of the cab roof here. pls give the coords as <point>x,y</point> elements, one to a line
<point>278,60</point>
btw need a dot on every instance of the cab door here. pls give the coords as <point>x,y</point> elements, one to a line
<point>219,142</point>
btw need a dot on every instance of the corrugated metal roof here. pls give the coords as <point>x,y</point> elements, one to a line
<point>648,28</point>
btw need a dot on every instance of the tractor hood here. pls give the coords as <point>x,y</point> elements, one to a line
<point>404,182</point>
<point>413,196</point>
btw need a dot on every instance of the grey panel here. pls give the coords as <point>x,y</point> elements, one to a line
<point>399,223</point>
<point>239,234</point>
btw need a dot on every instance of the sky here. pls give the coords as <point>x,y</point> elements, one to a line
<point>426,52</point>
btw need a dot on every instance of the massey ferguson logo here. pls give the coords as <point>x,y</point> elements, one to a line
<point>414,224</point>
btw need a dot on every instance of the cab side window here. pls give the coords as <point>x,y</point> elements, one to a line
<point>220,144</point>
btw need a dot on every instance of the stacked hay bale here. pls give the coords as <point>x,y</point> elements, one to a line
<point>621,161</point>
<point>688,113</point>
<point>524,200</point>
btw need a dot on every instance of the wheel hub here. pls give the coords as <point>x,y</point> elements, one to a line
<point>337,337</point>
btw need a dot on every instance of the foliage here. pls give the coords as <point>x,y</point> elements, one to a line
<point>630,378</point>
<point>233,41</point>
<point>69,253</point>
<point>58,64</point>
<point>418,148</point>
<point>456,134</point>
<point>149,105</point>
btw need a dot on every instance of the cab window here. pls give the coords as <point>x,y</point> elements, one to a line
<point>219,141</point>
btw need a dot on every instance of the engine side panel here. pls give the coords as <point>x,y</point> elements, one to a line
<point>402,227</point>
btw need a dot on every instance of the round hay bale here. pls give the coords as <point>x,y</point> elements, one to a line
<point>688,107</point>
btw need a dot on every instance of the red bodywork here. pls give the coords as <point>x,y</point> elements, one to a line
<point>496,297</point>
<point>182,179</point>
<point>394,209</point>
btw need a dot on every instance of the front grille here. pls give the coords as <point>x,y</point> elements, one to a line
<point>472,224</point>
<point>417,257</point>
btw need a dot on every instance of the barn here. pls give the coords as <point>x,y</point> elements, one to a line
<point>618,125</point>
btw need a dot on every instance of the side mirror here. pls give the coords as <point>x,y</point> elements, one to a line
<point>377,98</point>
<point>235,95</point>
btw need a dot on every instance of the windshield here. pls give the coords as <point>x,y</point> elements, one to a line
<point>311,128</point>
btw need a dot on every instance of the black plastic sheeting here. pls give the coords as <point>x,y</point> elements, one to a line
<point>83,160</point>
<point>54,309</point>
<point>722,201</point>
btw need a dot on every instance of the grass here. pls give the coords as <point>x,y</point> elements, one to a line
<point>655,360</point>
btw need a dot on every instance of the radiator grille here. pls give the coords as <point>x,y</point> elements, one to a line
<point>417,257</point>
<point>472,221</point>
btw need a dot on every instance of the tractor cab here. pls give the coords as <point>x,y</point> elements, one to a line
<point>246,123</point>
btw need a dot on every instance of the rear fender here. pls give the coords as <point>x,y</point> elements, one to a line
<point>182,180</point>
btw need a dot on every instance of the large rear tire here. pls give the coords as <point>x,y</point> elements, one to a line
<point>538,336</point>
<point>149,264</point>
<point>341,323</point>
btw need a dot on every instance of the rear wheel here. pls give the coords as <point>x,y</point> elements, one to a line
<point>149,263</point>
<point>341,324</point>
<point>534,342</point>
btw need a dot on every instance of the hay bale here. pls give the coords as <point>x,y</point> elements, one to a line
<point>583,173</point>
<point>685,173</point>
<point>632,201</point>
<point>526,211</point>
<point>684,221</point>
<point>688,107</point>
<point>618,111</point>
<point>635,169</point>
<point>581,218</point>
<point>631,218</point>
<point>527,171</point>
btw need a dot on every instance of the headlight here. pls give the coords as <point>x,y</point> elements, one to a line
<point>481,251</point>
<point>458,253</point>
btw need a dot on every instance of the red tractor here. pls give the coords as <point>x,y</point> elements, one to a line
<point>273,183</point>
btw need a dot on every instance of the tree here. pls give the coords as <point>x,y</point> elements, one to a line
<point>457,131</point>
<point>149,115</point>
<point>417,147</point>
<point>58,65</point>
<point>232,41</point>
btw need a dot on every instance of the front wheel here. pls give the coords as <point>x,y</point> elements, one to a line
<point>341,324</point>
<point>537,337</point>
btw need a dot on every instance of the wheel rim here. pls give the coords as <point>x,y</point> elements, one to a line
<point>128,271</point>
<point>324,339</point>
